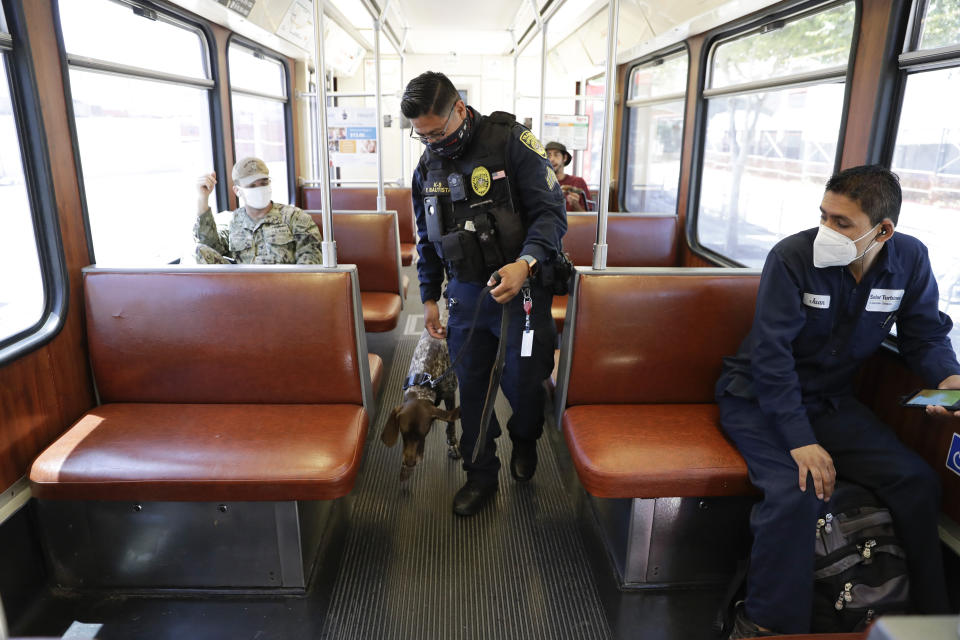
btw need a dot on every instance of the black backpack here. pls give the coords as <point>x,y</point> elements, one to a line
<point>860,569</point>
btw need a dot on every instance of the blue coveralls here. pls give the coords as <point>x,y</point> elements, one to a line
<point>790,385</point>
<point>540,204</point>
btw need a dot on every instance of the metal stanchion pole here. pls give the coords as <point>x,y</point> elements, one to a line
<point>329,245</point>
<point>606,150</point>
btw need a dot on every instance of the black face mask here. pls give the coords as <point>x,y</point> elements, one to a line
<point>453,145</point>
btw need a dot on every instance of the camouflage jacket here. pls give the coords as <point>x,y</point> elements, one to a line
<point>286,235</point>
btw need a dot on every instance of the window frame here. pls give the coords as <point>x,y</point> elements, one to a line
<point>287,105</point>
<point>738,29</point>
<point>904,36</point>
<point>38,179</point>
<point>909,61</point>
<point>174,15</point>
<point>661,54</point>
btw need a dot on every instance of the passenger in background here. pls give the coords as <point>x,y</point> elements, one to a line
<point>259,232</point>
<point>827,300</point>
<point>575,190</point>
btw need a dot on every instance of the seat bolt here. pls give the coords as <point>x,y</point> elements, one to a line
<point>138,508</point>
<point>222,508</point>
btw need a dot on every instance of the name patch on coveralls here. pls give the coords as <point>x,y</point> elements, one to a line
<point>884,299</point>
<point>816,301</point>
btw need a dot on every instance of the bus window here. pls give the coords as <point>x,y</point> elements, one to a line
<point>258,93</point>
<point>656,102</point>
<point>926,154</point>
<point>774,102</point>
<point>593,109</point>
<point>141,107</point>
<point>940,26</point>
<point>22,297</point>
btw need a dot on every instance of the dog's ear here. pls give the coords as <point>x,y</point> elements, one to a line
<point>446,416</point>
<point>391,430</point>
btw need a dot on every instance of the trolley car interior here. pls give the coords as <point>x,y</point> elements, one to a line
<point>194,451</point>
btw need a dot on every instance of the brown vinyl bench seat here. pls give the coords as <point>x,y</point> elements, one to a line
<point>676,450</point>
<point>369,240</point>
<point>636,378</point>
<point>633,240</point>
<point>365,199</point>
<point>151,451</point>
<point>240,383</point>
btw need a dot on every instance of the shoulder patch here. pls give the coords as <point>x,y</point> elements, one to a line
<point>530,141</point>
<point>480,181</point>
<point>551,178</point>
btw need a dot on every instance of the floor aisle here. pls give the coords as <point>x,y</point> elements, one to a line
<point>412,569</point>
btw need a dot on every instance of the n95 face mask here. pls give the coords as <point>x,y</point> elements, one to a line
<point>833,249</point>
<point>256,197</point>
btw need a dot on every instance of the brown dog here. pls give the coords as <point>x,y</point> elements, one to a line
<point>414,418</point>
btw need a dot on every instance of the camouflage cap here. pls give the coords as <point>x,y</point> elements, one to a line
<point>249,170</point>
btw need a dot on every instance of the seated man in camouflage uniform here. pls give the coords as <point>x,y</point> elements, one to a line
<point>261,231</point>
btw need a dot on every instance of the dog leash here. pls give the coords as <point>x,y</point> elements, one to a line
<point>435,382</point>
<point>496,372</point>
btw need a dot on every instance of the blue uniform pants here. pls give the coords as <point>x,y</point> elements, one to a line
<point>523,377</point>
<point>864,451</point>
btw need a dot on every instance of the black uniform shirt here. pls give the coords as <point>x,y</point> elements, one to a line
<point>538,198</point>
<point>814,327</point>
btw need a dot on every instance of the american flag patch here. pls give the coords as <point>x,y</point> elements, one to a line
<point>498,174</point>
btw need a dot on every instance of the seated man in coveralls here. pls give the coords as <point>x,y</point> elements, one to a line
<point>828,298</point>
<point>486,200</point>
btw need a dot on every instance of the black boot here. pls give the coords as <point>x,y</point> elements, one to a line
<point>523,460</point>
<point>744,627</point>
<point>472,496</point>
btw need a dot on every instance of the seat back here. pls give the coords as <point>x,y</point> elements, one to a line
<point>634,240</point>
<point>365,199</point>
<point>226,334</point>
<point>368,240</point>
<point>653,335</point>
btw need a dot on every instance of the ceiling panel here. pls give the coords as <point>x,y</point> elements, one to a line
<point>490,15</point>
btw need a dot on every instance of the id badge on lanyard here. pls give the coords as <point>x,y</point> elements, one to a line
<point>526,343</point>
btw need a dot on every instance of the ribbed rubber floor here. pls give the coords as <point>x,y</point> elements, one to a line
<point>412,569</point>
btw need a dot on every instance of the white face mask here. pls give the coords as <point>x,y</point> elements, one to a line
<point>256,197</point>
<point>833,249</point>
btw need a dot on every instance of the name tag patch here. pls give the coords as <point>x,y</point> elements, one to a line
<point>816,301</point>
<point>884,299</point>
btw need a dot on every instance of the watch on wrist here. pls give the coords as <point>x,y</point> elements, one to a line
<point>531,262</point>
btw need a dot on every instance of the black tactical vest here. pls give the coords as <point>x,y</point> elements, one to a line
<point>468,203</point>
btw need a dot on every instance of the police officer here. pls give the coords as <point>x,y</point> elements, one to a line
<point>486,200</point>
<point>827,300</point>
<point>259,232</point>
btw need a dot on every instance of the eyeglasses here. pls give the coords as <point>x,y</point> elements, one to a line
<point>437,136</point>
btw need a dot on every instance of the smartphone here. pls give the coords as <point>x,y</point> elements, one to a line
<point>946,398</point>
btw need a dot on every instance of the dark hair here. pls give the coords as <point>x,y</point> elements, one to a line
<point>876,189</point>
<point>430,92</point>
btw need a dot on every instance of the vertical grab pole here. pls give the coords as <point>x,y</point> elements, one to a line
<point>543,74</point>
<point>606,150</point>
<point>377,24</point>
<point>329,245</point>
<point>516,55</point>
<point>404,149</point>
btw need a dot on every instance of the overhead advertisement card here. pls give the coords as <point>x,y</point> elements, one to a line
<point>570,131</point>
<point>352,135</point>
<point>297,24</point>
